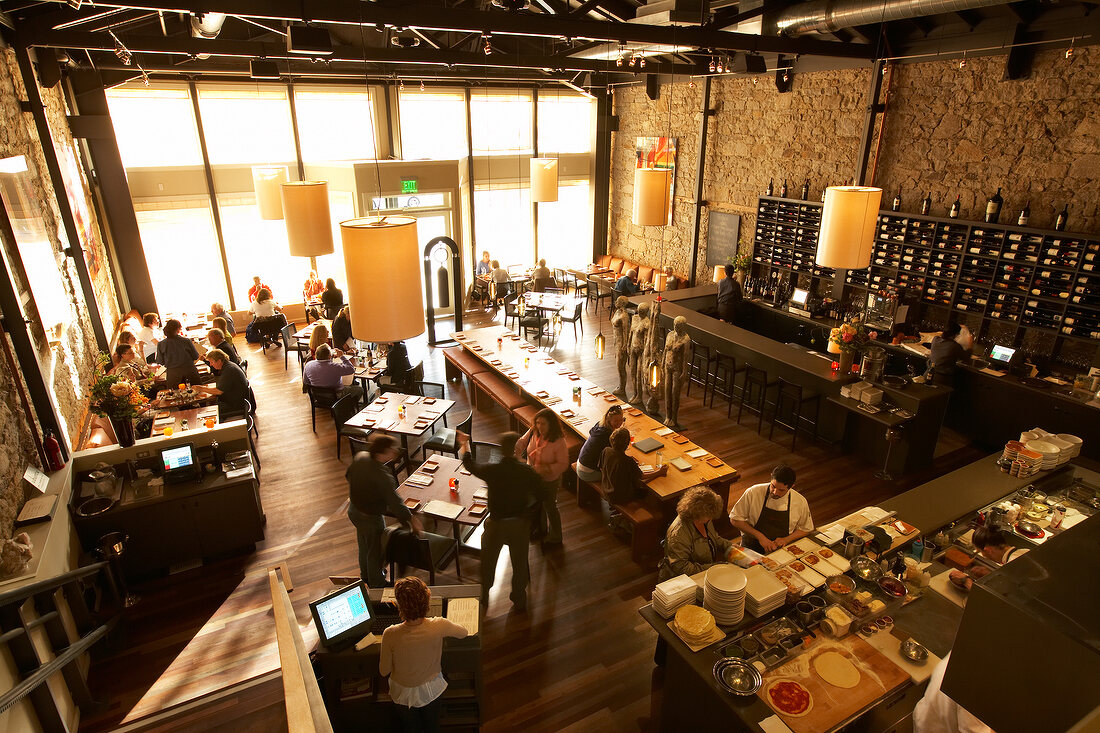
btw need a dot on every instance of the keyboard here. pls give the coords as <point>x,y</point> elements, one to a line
<point>382,622</point>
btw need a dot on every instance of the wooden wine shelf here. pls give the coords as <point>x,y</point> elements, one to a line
<point>1033,278</point>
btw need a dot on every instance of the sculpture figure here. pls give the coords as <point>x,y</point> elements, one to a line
<point>654,347</point>
<point>677,348</point>
<point>639,331</point>
<point>620,322</point>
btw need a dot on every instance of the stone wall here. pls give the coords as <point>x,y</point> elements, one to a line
<point>69,364</point>
<point>947,131</point>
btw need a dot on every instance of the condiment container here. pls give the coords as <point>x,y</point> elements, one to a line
<point>1057,516</point>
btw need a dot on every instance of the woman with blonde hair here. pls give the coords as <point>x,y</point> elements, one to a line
<point>411,653</point>
<point>320,335</point>
<point>692,544</point>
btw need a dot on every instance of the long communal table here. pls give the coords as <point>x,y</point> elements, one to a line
<point>542,379</point>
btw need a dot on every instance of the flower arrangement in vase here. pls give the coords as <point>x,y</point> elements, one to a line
<point>117,399</point>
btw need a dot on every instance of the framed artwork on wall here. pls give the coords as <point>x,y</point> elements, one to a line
<point>658,152</point>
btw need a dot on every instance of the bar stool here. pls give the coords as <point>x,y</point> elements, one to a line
<point>725,379</point>
<point>755,393</point>
<point>790,396</point>
<point>699,369</point>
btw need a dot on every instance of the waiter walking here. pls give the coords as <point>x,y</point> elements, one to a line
<point>772,515</point>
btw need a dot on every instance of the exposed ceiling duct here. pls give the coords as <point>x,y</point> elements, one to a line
<point>826,16</point>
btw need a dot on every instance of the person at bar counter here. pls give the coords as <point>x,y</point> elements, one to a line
<point>946,351</point>
<point>217,310</point>
<point>729,296</point>
<point>327,370</point>
<point>485,266</point>
<point>411,656</point>
<point>178,355</point>
<point>332,298</point>
<point>231,389</point>
<point>512,488</point>
<point>257,286</point>
<point>372,489</point>
<point>772,515</point>
<point>599,437</point>
<point>623,478</point>
<point>692,544</point>
<point>545,449</point>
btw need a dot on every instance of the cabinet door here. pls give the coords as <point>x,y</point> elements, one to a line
<point>228,519</point>
<point>160,535</point>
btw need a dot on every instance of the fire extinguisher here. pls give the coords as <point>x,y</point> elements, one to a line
<point>54,460</point>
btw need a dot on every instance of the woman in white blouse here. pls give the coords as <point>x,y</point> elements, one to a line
<point>263,306</point>
<point>411,654</point>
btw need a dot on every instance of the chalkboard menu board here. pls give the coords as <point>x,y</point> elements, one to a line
<point>722,231</point>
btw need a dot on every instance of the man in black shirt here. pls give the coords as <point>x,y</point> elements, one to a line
<point>216,339</point>
<point>373,492</point>
<point>729,296</point>
<point>944,353</point>
<point>231,389</point>
<point>511,485</point>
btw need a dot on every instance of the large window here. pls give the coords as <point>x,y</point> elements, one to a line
<point>501,121</point>
<point>503,224</point>
<point>335,124</point>
<point>249,125</point>
<point>433,125</point>
<point>154,127</point>
<point>565,123</point>
<point>565,227</point>
<point>181,248</point>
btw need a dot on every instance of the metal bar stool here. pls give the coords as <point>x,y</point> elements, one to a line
<point>790,396</point>
<point>699,370</point>
<point>754,392</point>
<point>724,379</point>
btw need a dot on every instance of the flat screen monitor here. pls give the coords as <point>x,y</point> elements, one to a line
<point>799,297</point>
<point>179,462</point>
<point>343,615</point>
<point>1002,353</point>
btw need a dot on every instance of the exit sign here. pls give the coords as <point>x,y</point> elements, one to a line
<point>408,185</point>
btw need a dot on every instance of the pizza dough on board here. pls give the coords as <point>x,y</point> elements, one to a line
<point>836,670</point>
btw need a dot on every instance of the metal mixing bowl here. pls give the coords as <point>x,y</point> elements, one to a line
<point>913,651</point>
<point>866,568</point>
<point>737,676</point>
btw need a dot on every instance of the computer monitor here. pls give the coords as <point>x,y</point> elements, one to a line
<point>343,616</point>
<point>799,297</point>
<point>1002,354</point>
<point>179,463</point>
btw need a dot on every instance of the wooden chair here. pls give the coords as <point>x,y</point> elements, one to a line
<point>594,293</point>
<point>699,369</point>
<point>575,319</point>
<point>724,380</point>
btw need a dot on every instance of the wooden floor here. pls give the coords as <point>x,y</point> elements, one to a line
<point>579,659</point>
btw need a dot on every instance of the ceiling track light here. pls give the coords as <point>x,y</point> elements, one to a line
<point>74,4</point>
<point>405,39</point>
<point>1069,51</point>
<point>510,4</point>
<point>712,65</point>
<point>488,45</point>
<point>641,62</point>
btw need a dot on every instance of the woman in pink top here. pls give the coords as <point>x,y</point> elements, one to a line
<point>544,446</point>
<point>410,656</point>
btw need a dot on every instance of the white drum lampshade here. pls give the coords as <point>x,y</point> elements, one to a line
<point>660,281</point>
<point>308,221</point>
<point>384,271</point>
<point>267,182</point>
<point>719,273</point>
<point>651,197</point>
<point>544,179</point>
<point>848,223</point>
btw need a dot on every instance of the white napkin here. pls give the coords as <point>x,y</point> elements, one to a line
<point>774,725</point>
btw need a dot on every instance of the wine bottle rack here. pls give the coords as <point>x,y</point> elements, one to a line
<point>1033,278</point>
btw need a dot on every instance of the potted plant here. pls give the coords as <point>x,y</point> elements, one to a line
<point>741,262</point>
<point>117,399</point>
<point>849,339</point>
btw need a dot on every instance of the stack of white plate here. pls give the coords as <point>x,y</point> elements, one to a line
<point>1074,443</point>
<point>764,592</point>
<point>1065,448</point>
<point>1049,452</point>
<point>672,594</point>
<point>724,594</point>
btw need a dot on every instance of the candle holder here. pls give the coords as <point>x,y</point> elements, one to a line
<point>836,365</point>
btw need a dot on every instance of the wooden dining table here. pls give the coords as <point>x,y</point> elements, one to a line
<point>549,301</point>
<point>431,482</point>
<point>195,417</point>
<point>552,385</point>
<point>421,415</point>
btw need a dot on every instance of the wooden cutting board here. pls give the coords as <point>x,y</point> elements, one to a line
<point>943,585</point>
<point>834,705</point>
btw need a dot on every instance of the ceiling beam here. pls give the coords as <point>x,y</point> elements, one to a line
<point>426,38</point>
<point>730,16</point>
<point>970,17</point>
<point>277,51</point>
<point>353,12</point>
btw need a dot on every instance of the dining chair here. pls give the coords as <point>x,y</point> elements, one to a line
<point>511,310</point>
<point>485,452</point>
<point>320,397</point>
<point>574,319</point>
<point>432,389</point>
<point>343,410</point>
<point>446,440</point>
<point>426,551</point>
<point>287,333</point>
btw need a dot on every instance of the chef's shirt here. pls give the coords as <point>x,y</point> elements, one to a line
<point>752,502</point>
<point>938,713</point>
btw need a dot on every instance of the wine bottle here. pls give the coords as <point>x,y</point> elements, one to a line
<point>770,188</point>
<point>783,189</point>
<point>954,212</point>
<point>896,205</point>
<point>1060,222</point>
<point>993,207</point>
<point>926,205</point>
<point>806,190</point>
<point>1025,215</point>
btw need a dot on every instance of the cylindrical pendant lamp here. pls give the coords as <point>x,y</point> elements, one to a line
<point>267,181</point>
<point>544,179</point>
<point>719,273</point>
<point>308,221</point>
<point>384,272</point>
<point>651,197</point>
<point>660,281</point>
<point>848,222</point>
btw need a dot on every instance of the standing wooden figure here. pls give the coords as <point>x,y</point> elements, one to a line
<point>620,322</point>
<point>677,348</point>
<point>639,331</point>
<point>654,349</point>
